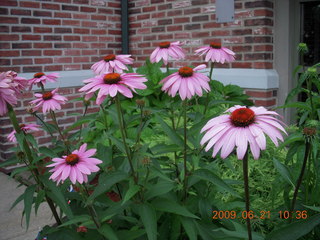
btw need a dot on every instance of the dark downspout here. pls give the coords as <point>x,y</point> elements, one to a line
<point>124,27</point>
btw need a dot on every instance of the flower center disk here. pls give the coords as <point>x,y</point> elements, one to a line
<point>47,96</point>
<point>215,45</point>
<point>164,44</point>
<point>38,75</point>
<point>72,159</point>
<point>111,78</point>
<point>186,72</point>
<point>109,57</point>
<point>242,117</point>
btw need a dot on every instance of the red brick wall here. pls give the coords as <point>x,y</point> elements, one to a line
<point>40,36</point>
<point>194,23</point>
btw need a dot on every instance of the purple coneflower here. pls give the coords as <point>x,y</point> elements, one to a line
<point>187,82</point>
<point>24,127</point>
<point>216,53</point>
<point>41,77</point>
<point>49,101</point>
<point>112,63</point>
<point>76,166</point>
<point>7,94</point>
<point>112,83</point>
<point>240,127</point>
<point>166,50</point>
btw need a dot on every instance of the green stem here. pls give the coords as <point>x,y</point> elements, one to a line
<point>185,182</point>
<point>309,87</point>
<point>53,116</point>
<point>207,97</point>
<point>44,124</point>
<point>80,131</point>
<point>124,137</point>
<point>90,207</point>
<point>167,67</point>
<point>299,181</point>
<point>246,191</point>
<point>34,173</point>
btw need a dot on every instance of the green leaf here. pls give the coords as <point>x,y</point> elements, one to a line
<point>292,138</point>
<point>47,152</point>
<point>76,219</point>
<point>300,105</point>
<point>149,219</point>
<point>28,200</point>
<point>19,199</point>
<point>172,134</point>
<point>130,234</point>
<point>207,175</point>
<point>295,230</point>
<point>130,193</point>
<point>9,162</point>
<point>108,232</point>
<point>283,170</point>
<point>189,227</point>
<point>166,205</point>
<point>57,196</point>
<point>158,189</point>
<point>106,181</point>
<point>163,148</point>
<point>39,199</point>
<point>314,208</point>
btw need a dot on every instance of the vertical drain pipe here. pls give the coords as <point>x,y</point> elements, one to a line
<point>124,27</point>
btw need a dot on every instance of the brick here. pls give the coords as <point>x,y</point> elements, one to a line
<point>257,56</point>
<point>98,2</point>
<point>21,45</point>
<point>99,17</point>
<point>233,40</point>
<point>42,45</point>
<point>182,35</point>
<point>89,38</point>
<point>71,22</point>
<point>264,48</point>
<point>89,52</point>
<point>158,29</point>
<point>98,45</point>
<point>88,9</point>
<point>53,68</point>
<point>31,37</point>
<point>264,39</point>
<point>69,8</point>
<point>50,6</point>
<point>62,60</point>
<point>5,62</point>
<point>241,65</point>
<point>220,33</point>
<point>71,38</point>
<point>31,53</point>
<point>265,103</point>
<point>62,30</point>
<point>62,15</point>
<point>161,7</point>
<point>174,28</point>
<point>81,30</point>
<point>30,21</point>
<point>52,52</point>
<point>62,45</point>
<point>42,30</point>
<point>199,2</point>
<point>200,18</point>
<point>42,14</point>
<point>259,22</point>
<point>209,9</point>
<point>192,11</point>
<point>8,53</point>
<point>4,29</point>
<point>88,24</point>
<point>51,21</point>
<point>181,4</point>
<point>29,4</point>
<point>241,48</point>
<point>211,25</point>
<point>263,31</point>
<point>43,60</point>
<point>32,69</point>
<point>263,65</point>
<point>164,21</point>
<point>98,31</point>
<point>4,45</point>
<point>81,16</point>
<point>71,52</point>
<point>81,59</point>
<point>11,3</point>
<point>174,13</point>
<point>21,29</point>
<point>143,16</point>
<point>52,38</point>
<point>242,32</point>
<point>22,61</point>
<point>256,4</point>
<point>259,94</point>
<point>263,12</point>
<point>9,20</point>
<point>158,15</point>
<point>192,27</point>
<point>20,12</point>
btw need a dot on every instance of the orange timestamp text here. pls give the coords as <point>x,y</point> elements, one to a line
<point>258,215</point>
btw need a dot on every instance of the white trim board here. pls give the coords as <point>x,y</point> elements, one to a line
<point>243,77</point>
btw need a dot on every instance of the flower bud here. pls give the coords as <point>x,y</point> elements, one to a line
<point>140,102</point>
<point>82,229</point>
<point>309,131</point>
<point>146,113</point>
<point>303,48</point>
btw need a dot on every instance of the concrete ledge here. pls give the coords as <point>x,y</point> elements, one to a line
<point>243,77</point>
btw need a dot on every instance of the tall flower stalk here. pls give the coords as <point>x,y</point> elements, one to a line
<point>128,152</point>
<point>185,181</point>
<point>246,192</point>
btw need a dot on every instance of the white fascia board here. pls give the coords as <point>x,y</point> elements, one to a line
<point>243,77</point>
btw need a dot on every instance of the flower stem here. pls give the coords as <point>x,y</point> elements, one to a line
<point>124,137</point>
<point>53,116</point>
<point>90,207</point>
<point>299,181</point>
<point>246,192</point>
<point>84,113</point>
<point>185,182</point>
<point>207,98</point>
<point>44,124</point>
<point>167,67</point>
<point>35,173</point>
